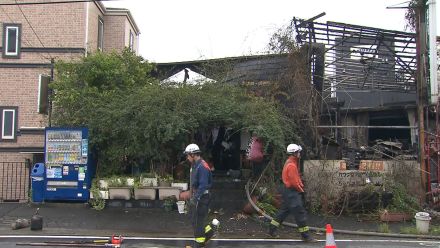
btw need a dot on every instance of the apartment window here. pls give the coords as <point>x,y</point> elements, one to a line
<point>11,40</point>
<point>100,34</point>
<point>9,122</point>
<point>131,41</point>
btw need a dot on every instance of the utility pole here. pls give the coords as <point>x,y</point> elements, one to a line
<point>421,86</point>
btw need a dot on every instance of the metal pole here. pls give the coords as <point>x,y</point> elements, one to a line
<point>433,52</point>
<point>421,81</point>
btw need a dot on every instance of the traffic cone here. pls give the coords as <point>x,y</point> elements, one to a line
<point>329,238</point>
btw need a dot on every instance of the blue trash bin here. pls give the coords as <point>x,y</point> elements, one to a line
<point>37,176</point>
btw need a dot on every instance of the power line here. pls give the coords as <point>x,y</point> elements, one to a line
<point>32,28</point>
<point>53,2</point>
<point>30,25</point>
<point>25,40</point>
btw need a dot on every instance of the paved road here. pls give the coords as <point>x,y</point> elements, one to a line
<point>139,242</point>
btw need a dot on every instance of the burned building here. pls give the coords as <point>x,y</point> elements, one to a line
<point>369,88</point>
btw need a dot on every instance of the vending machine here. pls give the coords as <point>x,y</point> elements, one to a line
<point>68,165</point>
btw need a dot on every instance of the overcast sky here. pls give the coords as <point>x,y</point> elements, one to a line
<point>181,30</point>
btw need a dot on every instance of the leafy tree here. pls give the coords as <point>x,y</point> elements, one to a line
<point>133,117</point>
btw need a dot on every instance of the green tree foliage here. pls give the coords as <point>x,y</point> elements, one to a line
<point>131,115</point>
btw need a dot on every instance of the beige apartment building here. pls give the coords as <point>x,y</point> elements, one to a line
<point>34,33</point>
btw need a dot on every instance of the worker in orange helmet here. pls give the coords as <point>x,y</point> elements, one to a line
<point>291,191</point>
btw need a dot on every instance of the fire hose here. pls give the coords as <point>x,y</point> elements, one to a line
<point>318,229</point>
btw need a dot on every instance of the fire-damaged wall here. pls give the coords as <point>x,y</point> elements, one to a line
<point>365,127</point>
<point>355,136</point>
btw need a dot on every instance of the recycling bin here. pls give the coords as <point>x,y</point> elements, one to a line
<point>37,176</point>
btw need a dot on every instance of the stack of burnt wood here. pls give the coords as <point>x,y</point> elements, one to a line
<point>389,150</point>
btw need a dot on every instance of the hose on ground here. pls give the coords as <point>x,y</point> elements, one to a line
<point>364,233</point>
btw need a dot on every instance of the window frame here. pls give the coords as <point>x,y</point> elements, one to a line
<point>100,43</point>
<point>5,43</point>
<point>12,137</point>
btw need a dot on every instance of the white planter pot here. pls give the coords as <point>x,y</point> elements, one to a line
<point>103,184</point>
<point>165,192</point>
<point>148,193</point>
<point>130,182</point>
<point>182,186</point>
<point>102,193</point>
<point>121,193</point>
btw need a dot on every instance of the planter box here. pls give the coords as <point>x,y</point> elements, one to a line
<point>122,193</point>
<point>103,194</point>
<point>394,216</point>
<point>165,192</point>
<point>145,193</point>
<point>182,186</point>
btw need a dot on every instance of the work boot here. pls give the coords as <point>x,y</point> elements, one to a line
<point>306,237</point>
<point>272,231</point>
<point>199,245</point>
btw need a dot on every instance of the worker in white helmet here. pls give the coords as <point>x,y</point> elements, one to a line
<point>200,183</point>
<point>291,191</point>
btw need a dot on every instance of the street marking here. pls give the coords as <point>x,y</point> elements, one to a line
<point>215,239</point>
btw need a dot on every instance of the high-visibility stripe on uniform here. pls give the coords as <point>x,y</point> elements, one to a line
<point>275,223</point>
<point>206,165</point>
<point>303,229</point>
<point>200,240</point>
<point>208,228</point>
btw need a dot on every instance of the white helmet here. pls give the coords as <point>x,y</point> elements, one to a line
<point>192,148</point>
<point>293,148</point>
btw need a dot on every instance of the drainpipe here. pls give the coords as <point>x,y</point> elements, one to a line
<point>86,39</point>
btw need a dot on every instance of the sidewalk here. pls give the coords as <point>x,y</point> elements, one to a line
<point>80,219</point>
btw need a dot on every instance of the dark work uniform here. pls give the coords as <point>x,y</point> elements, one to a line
<point>201,182</point>
<point>292,199</point>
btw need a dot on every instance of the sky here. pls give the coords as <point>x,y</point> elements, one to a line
<point>184,30</point>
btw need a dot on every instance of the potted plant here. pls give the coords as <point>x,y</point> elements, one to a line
<point>165,180</point>
<point>97,199</point>
<point>401,206</point>
<point>169,203</point>
<point>180,184</point>
<point>142,192</point>
<point>99,188</point>
<point>149,179</point>
<point>165,189</point>
<point>118,188</point>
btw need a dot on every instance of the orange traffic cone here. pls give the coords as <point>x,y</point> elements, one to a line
<point>329,238</point>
